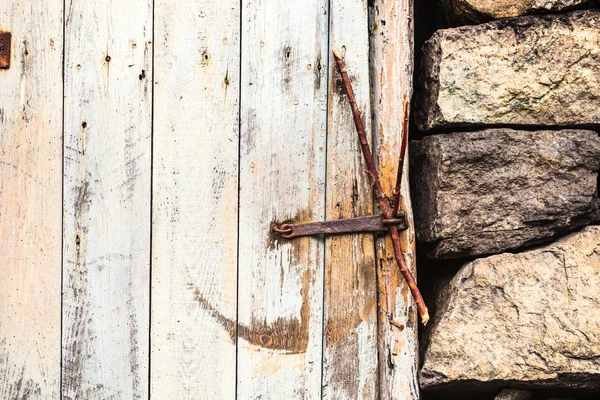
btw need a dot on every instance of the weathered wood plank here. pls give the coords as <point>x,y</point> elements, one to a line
<point>107,158</point>
<point>392,53</point>
<point>350,351</point>
<point>282,165</point>
<point>195,199</point>
<point>30,201</point>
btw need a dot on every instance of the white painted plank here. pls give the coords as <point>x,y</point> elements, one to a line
<point>107,158</point>
<point>392,58</point>
<point>195,199</point>
<point>30,201</point>
<point>350,351</point>
<point>283,126</point>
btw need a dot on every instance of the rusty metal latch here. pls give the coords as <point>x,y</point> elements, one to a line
<point>391,221</point>
<point>5,50</point>
<point>369,223</point>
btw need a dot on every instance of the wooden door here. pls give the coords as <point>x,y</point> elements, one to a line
<point>31,110</point>
<point>146,149</point>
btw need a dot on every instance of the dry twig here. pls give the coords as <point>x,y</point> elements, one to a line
<point>401,159</point>
<point>384,203</point>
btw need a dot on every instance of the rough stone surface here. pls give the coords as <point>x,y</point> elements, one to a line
<point>486,192</point>
<point>476,11</point>
<point>522,320</point>
<point>514,394</point>
<point>542,70</point>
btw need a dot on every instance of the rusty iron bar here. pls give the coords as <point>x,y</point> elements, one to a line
<point>370,223</point>
<point>384,203</point>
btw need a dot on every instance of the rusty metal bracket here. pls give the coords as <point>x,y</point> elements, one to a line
<point>369,223</point>
<point>5,50</point>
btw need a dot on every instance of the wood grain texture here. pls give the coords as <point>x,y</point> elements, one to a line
<point>350,351</point>
<point>107,158</point>
<point>30,201</point>
<point>391,26</point>
<point>282,177</point>
<point>195,199</point>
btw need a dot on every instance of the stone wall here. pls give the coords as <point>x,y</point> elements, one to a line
<point>506,179</point>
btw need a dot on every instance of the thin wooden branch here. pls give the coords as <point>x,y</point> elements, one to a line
<point>401,159</point>
<point>384,203</point>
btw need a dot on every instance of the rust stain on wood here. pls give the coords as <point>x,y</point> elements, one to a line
<point>5,43</point>
<point>288,335</point>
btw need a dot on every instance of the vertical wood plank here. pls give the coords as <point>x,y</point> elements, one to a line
<point>282,177</point>
<point>107,158</point>
<point>392,58</point>
<point>195,199</point>
<point>30,201</point>
<point>350,351</point>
